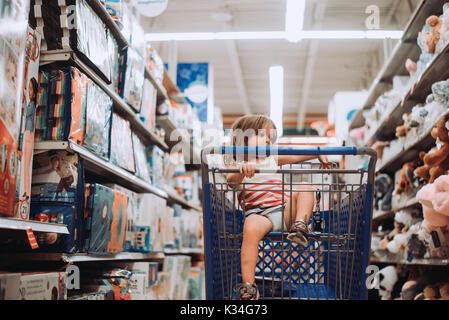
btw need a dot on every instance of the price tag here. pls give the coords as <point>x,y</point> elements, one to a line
<point>32,239</point>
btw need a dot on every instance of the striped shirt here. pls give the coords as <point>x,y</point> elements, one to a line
<point>264,191</point>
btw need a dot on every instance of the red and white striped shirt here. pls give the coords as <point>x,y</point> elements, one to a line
<point>263,190</point>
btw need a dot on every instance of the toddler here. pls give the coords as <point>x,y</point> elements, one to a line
<point>269,205</point>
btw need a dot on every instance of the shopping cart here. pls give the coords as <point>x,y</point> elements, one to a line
<point>332,266</point>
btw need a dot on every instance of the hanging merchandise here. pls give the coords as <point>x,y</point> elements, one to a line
<point>29,100</point>
<point>106,218</point>
<point>121,143</point>
<point>193,80</point>
<point>131,78</point>
<point>13,35</point>
<point>150,8</point>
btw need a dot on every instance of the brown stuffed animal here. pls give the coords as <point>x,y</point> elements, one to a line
<point>404,185</point>
<point>433,36</point>
<point>401,131</point>
<point>436,163</point>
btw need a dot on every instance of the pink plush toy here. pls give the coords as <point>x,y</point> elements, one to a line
<point>435,200</point>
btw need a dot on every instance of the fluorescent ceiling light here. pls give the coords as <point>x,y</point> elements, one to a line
<point>275,35</point>
<point>277,96</point>
<point>294,19</point>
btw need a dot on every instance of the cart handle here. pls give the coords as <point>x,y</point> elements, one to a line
<point>284,150</point>
<point>290,151</point>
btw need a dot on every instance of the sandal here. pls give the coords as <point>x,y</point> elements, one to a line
<point>299,233</point>
<point>247,291</point>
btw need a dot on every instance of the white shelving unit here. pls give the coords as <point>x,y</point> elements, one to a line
<point>395,65</point>
<point>36,226</point>
<point>82,257</point>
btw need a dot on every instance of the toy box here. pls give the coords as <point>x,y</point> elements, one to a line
<point>142,238</point>
<point>9,286</point>
<point>177,268</point>
<point>73,25</point>
<point>167,228</point>
<point>154,63</point>
<point>57,178</point>
<point>12,57</point>
<point>148,110</point>
<point>151,211</point>
<point>131,78</point>
<point>131,225</point>
<point>66,214</point>
<point>43,286</point>
<point>142,164</point>
<point>98,121</point>
<point>156,158</point>
<point>28,119</point>
<point>121,143</point>
<point>196,284</point>
<point>105,219</point>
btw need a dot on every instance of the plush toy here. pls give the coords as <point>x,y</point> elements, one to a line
<point>444,30</point>
<point>433,36</point>
<point>383,186</point>
<point>436,163</point>
<point>444,291</point>
<point>402,222</point>
<point>387,278</point>
<point>435,200</point>
<point>379,146</point>
<point>406,183</point>
<point>418,115</point>
<point>402,130</point>
<point>417,246</point>
<point>358,133</point>
<point>411,67</point>
<point>425,286</point>
<point>425,56</point>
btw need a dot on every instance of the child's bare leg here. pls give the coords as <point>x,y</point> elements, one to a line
<point>254,229</point>
<point>299,207</point>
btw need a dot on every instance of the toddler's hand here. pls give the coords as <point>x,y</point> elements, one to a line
<point>248,170</point>
<point>324,162</point>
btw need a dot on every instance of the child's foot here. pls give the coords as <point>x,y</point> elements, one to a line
<point>299,233</point>
<point>247,291</point>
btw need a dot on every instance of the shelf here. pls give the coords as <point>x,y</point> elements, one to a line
<point>101,11</point>
<point>82,257</point>
<point>429,262</point>
<point>406,48</point>
<point>184,251</point>
<point>381,215</point>
<point>102,168</point>
<point>36,226</point>
<point>174,197</point>
<point>120,106</point>
<point>191,154</point>
<point>423,143</point>
<point>436,71</point>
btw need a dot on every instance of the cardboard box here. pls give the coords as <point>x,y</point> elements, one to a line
<point>9,286</point>
<point>43,286</point>
<point>28,121</point>
<point>12,57</point>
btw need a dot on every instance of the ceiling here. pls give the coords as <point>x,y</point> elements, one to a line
<point>314,69</point>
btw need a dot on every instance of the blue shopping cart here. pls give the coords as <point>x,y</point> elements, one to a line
<point>331,266</point>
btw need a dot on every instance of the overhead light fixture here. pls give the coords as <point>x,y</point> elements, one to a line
<point>294,20</point>
<point>276,74</point>
<point>275,35</point>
